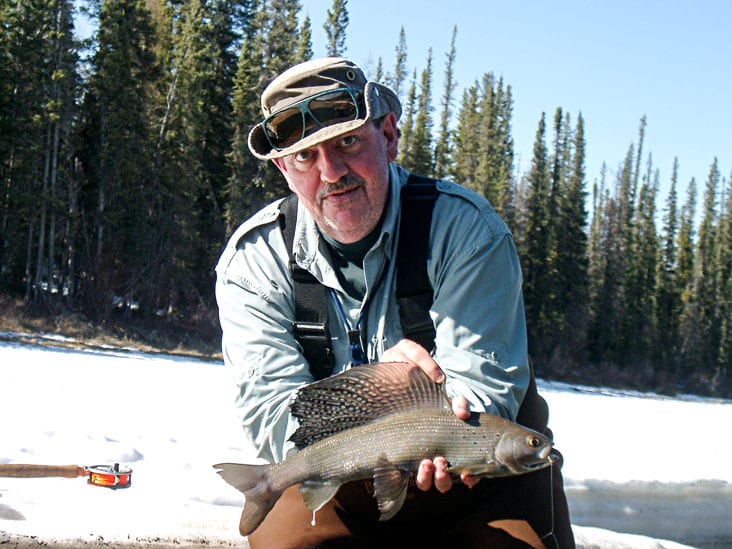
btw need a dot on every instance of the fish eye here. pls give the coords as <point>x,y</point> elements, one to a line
<point>534,442</point>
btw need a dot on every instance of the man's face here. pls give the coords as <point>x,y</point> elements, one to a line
<point>344,182</point>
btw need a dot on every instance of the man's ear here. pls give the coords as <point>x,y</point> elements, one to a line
<point>391,133</point>
<point>282,166</point>
<point>279,162</point>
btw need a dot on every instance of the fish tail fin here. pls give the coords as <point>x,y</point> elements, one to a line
<point>253,481</point>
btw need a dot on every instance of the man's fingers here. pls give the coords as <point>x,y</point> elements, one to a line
<point>469,480</point>
<point>443,480</point>
<point>461,407</point>
<point>424,475</point>
<point>413,353</point>
<point>434,473</point>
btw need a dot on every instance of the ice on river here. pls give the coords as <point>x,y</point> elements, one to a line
<point>640,469</point>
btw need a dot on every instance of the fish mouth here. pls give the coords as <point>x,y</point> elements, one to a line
<point>542,459</point>
<point>538,464</point>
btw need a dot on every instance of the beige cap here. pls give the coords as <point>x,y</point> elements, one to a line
<point>313,77</point>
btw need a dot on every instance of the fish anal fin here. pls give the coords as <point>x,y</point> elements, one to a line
<point>390,487</point>
<point>316,494</point>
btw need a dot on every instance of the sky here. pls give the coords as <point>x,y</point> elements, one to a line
<point>634,464</point>
<point>613,61</point>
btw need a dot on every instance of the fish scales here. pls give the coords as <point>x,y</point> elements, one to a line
<point>405,439</point>
<point>380,421</point>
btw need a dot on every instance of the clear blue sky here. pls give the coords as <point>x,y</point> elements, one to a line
<point>614,61</point>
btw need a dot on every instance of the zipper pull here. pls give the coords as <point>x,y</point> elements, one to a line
<point>355,348</point>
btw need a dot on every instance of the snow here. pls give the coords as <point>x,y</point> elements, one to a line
<point>639,469</point>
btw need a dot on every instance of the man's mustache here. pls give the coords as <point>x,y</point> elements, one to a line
<point>344,183</point>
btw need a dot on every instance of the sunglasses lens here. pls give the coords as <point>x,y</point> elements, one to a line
<point>285,128</point>
<point>333,108</point>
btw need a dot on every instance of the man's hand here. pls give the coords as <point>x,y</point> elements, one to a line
<point>413,353</point>
<point>431,471</point>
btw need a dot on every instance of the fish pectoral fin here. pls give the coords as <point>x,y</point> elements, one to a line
<point>390,487</point>
<point>480,469</point>
<point>316,494</point>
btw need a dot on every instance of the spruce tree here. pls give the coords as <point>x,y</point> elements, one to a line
<point>407,127</point>
<point>668,295</point>
<point>700,328</point>
<point>571,256</point>
<point>244,191</point>
<point>443,147</point>
<point>277,26</point>
<point>379,74</point>
<point>304,50</point>
<point>535,259</point>
<point>400,65</point>
<point>279,31</point>
<point>595,233</point>
<point>559,165</point>
<point>419,154</point>
<point>507,187</point>
<point>466,155</point>
<point>494,172</point>
<point>37,109</point>
<point>641,279</point>
<point>686,239</point>
<point>720,378</point>
<point>335,28</point>
<point>486,174</point>
<point>193,140</point>
<point>119,142</point>
<point>623,219</point>
<point>606,276</point>
<point>558,170</point>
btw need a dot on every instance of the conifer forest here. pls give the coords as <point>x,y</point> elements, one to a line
<point>124,168</point>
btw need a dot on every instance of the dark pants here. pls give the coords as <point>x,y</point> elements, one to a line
<point>523,511</point>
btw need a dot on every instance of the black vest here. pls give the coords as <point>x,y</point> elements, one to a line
<point>414,291</point>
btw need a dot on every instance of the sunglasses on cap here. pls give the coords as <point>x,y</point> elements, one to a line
<point>287,126</point>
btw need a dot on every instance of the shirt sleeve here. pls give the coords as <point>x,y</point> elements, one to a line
<point>478,308</point>
<point>253,292</point>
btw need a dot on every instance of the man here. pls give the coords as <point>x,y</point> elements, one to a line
<point>334,138</point>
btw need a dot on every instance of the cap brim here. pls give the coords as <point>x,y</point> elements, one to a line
<point>380,100</point>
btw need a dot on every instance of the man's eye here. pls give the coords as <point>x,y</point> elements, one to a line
<point>348,140</point>
<point>303,156</point>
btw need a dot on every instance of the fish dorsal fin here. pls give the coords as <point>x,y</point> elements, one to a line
<point>360,395</point>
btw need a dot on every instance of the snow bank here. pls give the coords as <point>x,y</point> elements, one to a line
<point>638,464</point>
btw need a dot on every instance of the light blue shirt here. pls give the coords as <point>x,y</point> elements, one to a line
<point>478,309</point>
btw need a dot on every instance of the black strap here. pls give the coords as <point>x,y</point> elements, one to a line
<point>310,326</point>
<point>414,291</point>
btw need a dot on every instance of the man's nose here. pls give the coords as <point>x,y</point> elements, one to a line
<point>331,165</point>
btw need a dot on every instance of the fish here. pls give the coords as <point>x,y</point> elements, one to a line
<point>380,421</point>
